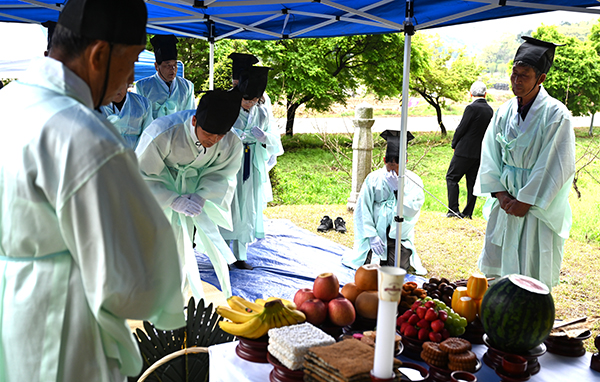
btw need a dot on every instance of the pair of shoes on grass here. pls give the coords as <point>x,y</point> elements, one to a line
<point>328,224</point>
<point>451,214</point>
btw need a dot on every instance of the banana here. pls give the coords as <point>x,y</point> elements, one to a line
<point>288,303</point>
<point>287,318</point>
<point>242,305</point>
<point>260,301</point>
<point>296,315</point>
<point>248,329</point>
<point>234,315</point>
<point>279,320</point>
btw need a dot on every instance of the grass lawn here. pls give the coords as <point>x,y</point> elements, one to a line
<point>312,180</point>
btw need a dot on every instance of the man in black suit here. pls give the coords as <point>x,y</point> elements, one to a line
<point>467,150</point>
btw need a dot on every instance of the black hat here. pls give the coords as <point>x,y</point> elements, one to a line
<point>50,25</point>
<point>114,21</point>
<point>393,142</point>
<point>165,47</point>
<point>537,53</point>
<point>253,82</point>
<point>241,62</point>
<point>218,111</point>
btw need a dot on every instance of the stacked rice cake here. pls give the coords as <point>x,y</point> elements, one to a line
<point>289,344</point>
<point>346,361</point>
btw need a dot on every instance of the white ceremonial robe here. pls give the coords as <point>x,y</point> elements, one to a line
<point>534,161</point>
<point>173,165</point>
<point>167,99</point>
<point>135,115</point>
<point>84,245</point>
<point>253,194</point>
<point>374,212</point>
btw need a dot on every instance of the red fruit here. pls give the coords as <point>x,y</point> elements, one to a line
<point>421,311</point>
<point>407,314</point>
<point>437,326</point>
<point>443,315</point>
<point>435,337</point>
<point>400,321</point>
<point>410,331</point>
<point>445,334</point>
<point>430,304</point>
<point>431,315</point>
<point>424,324</point>
<point>413,319</point>
<point>423,334</point>
<point>403,327</point>
<point>415,305</point>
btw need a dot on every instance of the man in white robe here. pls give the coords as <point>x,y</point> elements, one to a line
<point>260,143</point>
<point>84,245</point>
<point>374,226</point>
<point>527,165</point>
<point>190,159</point>
<point>130,113</point>
<point>167,92</point>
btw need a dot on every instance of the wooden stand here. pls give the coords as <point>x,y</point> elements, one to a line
<point>595,364</point>
<point>253,350</point>
<point>493,357</point>
<point>568,347</point>
<point>280,373</point>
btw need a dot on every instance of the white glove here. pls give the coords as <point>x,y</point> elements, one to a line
<point>259,134</point>
<point>184,205</point>
<point>391,177</point>
<point>196,199</point>
<point>377,245</point>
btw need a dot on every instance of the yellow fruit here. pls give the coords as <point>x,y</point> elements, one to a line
<point>477,286</point>
<point>466,307</point>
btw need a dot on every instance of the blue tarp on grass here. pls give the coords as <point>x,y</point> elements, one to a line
<point>287,259</point>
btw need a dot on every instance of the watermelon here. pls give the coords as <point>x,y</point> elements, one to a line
<point>517,313</point>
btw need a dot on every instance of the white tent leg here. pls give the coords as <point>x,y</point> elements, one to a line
<point>211,66</point>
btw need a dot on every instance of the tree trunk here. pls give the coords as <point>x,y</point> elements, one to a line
<point>291,114</point>
<point>591,132</point>
<point>438,112</point>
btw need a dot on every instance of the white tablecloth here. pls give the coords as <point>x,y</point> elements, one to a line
<point>226,366</point>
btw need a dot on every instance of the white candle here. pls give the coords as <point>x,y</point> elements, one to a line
<point>389,284</point>
<point>384,341</point>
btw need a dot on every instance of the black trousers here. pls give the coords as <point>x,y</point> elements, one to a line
<point>405,253</point>
<point>459,167</point>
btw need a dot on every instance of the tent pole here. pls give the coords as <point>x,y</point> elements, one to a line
<point>211,66</point>
<point>409,30</point>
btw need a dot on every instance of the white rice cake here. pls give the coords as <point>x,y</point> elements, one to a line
<point>292,342</point>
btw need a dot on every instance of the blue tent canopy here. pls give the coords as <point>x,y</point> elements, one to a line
<point>271,19</point>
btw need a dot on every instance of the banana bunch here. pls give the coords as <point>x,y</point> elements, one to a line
<point>254,319</point>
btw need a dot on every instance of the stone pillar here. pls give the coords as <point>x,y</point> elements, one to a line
<point>362,148</point>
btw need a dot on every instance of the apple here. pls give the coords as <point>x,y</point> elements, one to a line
<point>315,311</point>
<point>341,311</point>
<point>303,295</point>
<point>326,287</point>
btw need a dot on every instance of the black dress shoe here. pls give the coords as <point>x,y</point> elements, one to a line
<point>241,264</point>
<point>340,225</point>
<point>326,224</point>
<point>452,215</point>
<point>465,216</point>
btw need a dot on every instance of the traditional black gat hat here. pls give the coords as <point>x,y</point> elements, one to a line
<point>241,62</point>
<point>218,110</point>
<point>392,138</point>
<point>253,82</point>
<point>50,25</point>
<point>165,47</point>
<point>114,21</point>
<point>537,53</point>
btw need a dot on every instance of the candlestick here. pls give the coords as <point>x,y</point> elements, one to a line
<point>390,280</point>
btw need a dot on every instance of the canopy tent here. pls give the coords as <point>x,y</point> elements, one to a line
<point>213,20</point>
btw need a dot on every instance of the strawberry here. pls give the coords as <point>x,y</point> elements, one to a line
<point>437,326</point>
<point>445,334</point>
<point>430,304</point>
<point>431,315</point>
<point>410,331</point>
<point>400,321</point>
<point>435,337</point>
<point>413,319</point>
<point>407,314</point>
<point>403,327</point>
<point>415,305</point>
<point>423,334</point>
<point>424,324</point>
<point>443,315</point>
<point>421,310</point>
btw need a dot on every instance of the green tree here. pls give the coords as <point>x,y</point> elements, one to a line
<point>574,78</point>
<point>444,79</point>
<point>320,72</point>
